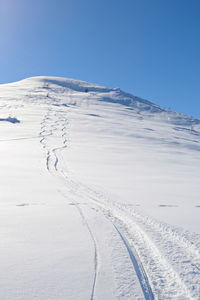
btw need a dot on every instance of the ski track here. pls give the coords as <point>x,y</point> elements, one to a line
<point>162,279</point>
<point>52,166</point>
<point>166,279</point>
<point>166,260</point>
<point>141,274</point>
<point>172,253</point>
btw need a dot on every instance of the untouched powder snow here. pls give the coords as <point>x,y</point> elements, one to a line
<point>99,194</point>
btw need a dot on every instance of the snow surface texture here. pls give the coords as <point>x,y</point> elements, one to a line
<point>99,195</point>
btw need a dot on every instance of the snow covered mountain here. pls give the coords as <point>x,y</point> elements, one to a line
<point>99,194</point>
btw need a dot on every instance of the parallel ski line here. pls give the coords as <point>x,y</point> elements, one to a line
<point>160,228</point>
<point>95,252</point>
<point>53,151</point>
<point>150,255</point>
<point>141,274</point>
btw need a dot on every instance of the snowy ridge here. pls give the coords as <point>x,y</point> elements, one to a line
<point>125,170</point>
<point>114,95</point>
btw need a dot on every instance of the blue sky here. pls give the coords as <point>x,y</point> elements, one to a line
<point>150,48</point>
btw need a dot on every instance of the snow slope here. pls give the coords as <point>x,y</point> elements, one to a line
<point>99,194</point>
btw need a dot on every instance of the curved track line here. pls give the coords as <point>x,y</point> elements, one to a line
<point>54,166</point>
<point>95,250</point>
<point>165,281</point>
<point>141,274</point>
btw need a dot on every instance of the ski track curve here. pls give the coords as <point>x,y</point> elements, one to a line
<point>165,283</point>
<point>167,276</point>
<point>140,272</point>
<point>49,128</point>
<point>173,250</point>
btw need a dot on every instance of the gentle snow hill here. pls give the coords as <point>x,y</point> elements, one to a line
<point>99,194</point>
<point>110,95</point>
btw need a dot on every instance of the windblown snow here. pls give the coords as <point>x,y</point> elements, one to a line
<point>99,195</point>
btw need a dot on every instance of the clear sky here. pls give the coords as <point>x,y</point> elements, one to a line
<point>150,48</point>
